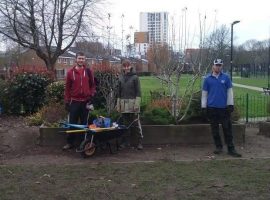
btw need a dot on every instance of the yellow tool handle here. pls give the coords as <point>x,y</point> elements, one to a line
<point>75,131</point>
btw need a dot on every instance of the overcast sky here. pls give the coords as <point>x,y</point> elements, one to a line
<point>254,16</point>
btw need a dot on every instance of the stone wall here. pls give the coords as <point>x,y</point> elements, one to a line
<point>194,134</point>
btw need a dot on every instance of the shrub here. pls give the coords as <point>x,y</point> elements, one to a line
<point>236,114</point>
<point>55,92</point>
<point>107,82</point>
<point>157,94</point>
<point>53,113</point>
<point>194,112</point>
<point>160,103</point>
<point>4,99</point>
<point>157,116</point>
<point>157,112</point>
<point>35,119</point>
<point>26,92</point>
<point>49,115</point>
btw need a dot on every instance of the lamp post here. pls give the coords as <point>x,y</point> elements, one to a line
<point>235,22</point>
<point>268,68</point>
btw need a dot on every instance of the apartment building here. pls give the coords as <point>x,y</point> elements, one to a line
<point>156,24</point>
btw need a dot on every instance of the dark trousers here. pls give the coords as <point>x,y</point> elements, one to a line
<point>221,116</point>
<point>132,119</point>
<point>78,114</point>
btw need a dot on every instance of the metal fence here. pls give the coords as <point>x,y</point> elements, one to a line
<point>253,108</point>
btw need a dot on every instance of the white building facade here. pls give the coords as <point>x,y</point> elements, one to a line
<point>156,24</point>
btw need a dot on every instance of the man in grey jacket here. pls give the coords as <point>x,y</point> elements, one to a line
<point>128,101</point>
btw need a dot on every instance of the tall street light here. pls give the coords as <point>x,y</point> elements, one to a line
<point>268,68</point>
<point>235,22</point>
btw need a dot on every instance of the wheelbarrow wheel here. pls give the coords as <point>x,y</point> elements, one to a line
<point>87,148</point>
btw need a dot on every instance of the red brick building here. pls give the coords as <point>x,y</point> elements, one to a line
<point>29,61</point>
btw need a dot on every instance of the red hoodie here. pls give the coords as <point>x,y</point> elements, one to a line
<point>79,86</point>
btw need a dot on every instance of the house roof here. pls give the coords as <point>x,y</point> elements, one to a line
<point>71,53</point>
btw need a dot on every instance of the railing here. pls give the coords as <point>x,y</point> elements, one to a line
<point>253,108</point>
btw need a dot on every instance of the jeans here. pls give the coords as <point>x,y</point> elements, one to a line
<point>78,114</point>
<point>132,119</point>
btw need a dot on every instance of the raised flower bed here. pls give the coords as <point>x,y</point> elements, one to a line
<point>193,134</point>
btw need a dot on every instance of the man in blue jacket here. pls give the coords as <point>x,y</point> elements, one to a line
<point>217,103</point>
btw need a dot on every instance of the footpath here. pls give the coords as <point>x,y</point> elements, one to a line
<point>248,87</point>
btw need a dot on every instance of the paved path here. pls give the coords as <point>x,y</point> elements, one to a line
<point>248,87</point>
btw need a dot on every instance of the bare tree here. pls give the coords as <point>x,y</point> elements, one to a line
<point>218,42</point>
<point>256,51</point>
<point>107,83</point>
<point>172,66</point>
<point>158,54</point>
<point>215,44</point>
<point>169,71</point>
<point>96,48</point>
<point>49,27</point>
<point>252,56</point>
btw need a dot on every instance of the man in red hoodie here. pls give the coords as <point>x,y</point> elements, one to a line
<point>80,88</point>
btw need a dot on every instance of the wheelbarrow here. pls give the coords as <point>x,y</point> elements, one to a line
<point>97,137</point>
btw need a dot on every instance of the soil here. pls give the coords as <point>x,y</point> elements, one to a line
<point>18,145</point>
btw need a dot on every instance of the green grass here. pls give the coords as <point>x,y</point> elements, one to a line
<point>197,180</point>
<point>151,83</point>
<point>256,103</point>
<point>257,82</point>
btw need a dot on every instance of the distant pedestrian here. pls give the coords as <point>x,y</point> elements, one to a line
<point>217,103</point>
<point>79,90</point>
<point>128,101</point>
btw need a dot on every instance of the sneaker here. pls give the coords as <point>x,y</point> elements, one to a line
<point>67,146</point>
<point>218,151</point>
<point>233,153</point>
<point>140,147</point>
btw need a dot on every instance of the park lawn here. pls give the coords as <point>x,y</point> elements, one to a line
<point>256,101</point>
<point>257,82</point>
<point>151,83</point>
<point>197,180</point>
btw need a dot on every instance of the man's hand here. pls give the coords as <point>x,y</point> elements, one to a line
<point>137,104</point>
<point>67,107</point>
<point>90,107</point>
<point>204,115</point>
<point>118,106</point>
<point>136,109</point>
<point>230,108</point>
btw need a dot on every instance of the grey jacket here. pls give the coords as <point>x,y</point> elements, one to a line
<point>129,93</point>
